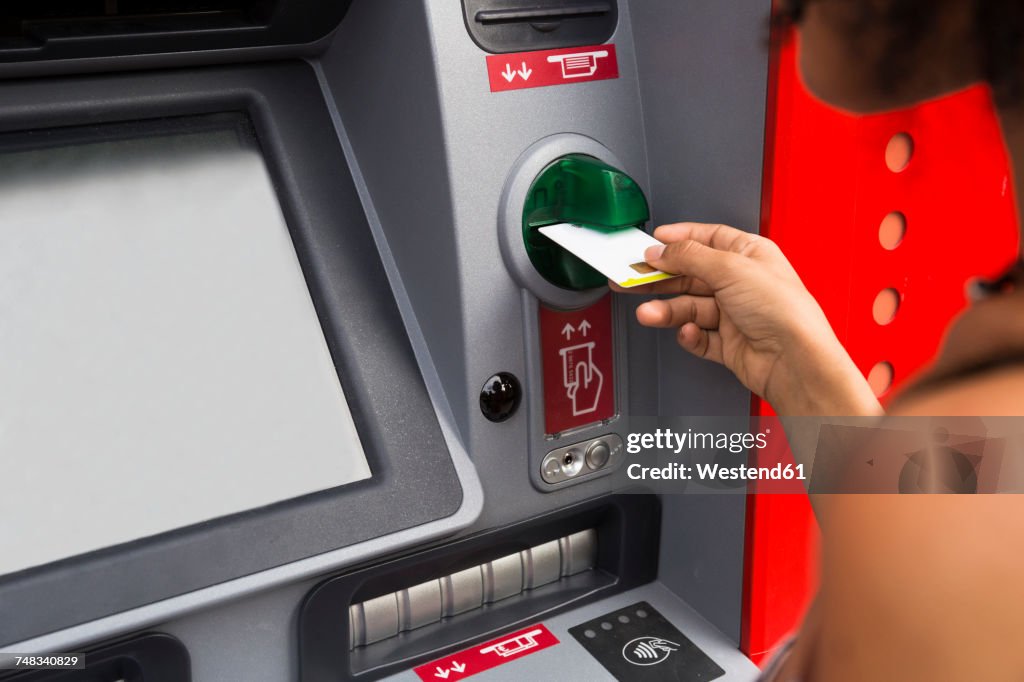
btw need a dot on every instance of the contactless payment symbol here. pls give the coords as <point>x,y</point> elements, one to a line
<point>648,650</point>
<point>638,644</point>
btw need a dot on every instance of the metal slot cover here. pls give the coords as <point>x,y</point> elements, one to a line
<point>430,602</point>
<point>501,26</point>
<point>541,13</point>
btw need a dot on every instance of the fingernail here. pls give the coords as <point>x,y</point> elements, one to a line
<point>654,252</point>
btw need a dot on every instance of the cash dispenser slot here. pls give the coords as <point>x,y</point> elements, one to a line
<point>381,619</point>
<point>473,588</point>
<point>585,191</point>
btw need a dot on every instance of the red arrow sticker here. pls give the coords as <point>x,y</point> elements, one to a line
<point>481,657</point>
<point>551,67</point>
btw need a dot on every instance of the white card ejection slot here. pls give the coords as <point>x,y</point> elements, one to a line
<point>618,254</point>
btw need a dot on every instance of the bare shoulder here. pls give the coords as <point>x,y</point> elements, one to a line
<point>927,586</point>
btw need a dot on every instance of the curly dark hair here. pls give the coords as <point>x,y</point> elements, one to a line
<point>998,30</point>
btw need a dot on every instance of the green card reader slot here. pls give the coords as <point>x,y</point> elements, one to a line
<point>582,190</point>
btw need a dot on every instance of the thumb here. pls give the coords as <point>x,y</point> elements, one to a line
<point>693,259</point>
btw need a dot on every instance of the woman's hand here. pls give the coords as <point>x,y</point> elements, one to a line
<point>740,303</point>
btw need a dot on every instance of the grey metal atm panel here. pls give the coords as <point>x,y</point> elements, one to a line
<point>435,148</point>
<point>429,148</point>
<point>703,73</point>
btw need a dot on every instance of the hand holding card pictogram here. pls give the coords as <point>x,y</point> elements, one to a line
<point>581,377</point>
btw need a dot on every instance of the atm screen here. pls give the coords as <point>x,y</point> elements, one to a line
<point>161,361</point>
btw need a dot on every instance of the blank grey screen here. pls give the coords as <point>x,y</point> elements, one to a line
<point>161,362</point>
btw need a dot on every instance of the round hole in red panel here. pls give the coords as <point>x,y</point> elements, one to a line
<point>899,151</point>
<point>887,302</point>
<point>892,230</point>
<point>880,377</point>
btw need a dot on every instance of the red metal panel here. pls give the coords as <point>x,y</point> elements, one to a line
<point>827,190</point>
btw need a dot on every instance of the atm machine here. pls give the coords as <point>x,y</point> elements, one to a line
<point>291,386</point>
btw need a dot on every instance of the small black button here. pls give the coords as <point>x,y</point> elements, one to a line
<point>500,396</point>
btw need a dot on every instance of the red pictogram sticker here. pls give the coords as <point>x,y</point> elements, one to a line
<point>476,659</point>
<point>578,367</point>
<point>552,67</point>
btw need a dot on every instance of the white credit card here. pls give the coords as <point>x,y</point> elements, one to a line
<point>618,255</point>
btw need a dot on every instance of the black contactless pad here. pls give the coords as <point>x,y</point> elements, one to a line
<point>637,643</point>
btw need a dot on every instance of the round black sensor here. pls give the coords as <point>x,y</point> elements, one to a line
<point>500,396</point>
